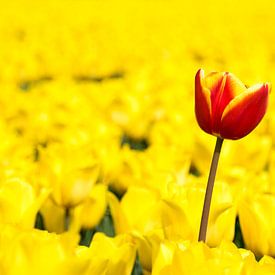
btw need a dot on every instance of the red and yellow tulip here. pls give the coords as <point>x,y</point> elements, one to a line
<point>225,107</point>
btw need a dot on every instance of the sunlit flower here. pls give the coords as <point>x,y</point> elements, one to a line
<point>70,172</point>
<point>27,251</point>
<point>225,107</point>
<point>257,223</point>
<point>197,258</point>
<point>109,255</point>
<point>20,202</point>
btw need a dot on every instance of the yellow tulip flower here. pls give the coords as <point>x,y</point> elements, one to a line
<point>181,212</point>
<point>85,215</point>
<point>70,172</point>
<point>110,255</point>
<point>39,252</point>
<point>89,213</point>
<point>197,258</point>
<point>144,226</point>
<point>20,202</point>
<point>257,225</point>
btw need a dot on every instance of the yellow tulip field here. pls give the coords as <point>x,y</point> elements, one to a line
<point>103,164</point>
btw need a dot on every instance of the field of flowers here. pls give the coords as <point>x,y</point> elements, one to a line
<point>103,166</point>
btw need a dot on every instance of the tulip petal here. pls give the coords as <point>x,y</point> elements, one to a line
<point>229,88</point>
<point>232,88</point>
<point>202,103</point>
<point>244,112</point>
<point>213,82</point>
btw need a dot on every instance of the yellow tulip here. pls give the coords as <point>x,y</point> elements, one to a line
<point>70,172</point>
<point>197,258</point>
<point>20,202</point>
<point>146,218</point>
<point>85,215</point>
<point>181,212</point>
<point>144,225</point>
<point>38,252</point>
<point>53,216</point>
<point>257,223</point>
<point>110,255</point>
<point>89,213</point>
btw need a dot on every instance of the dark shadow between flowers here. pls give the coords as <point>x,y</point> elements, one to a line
<point>193,170</point>
<point>238,237</point>
<point>26,85</point>
<point>134,144</point>
<point>137,269</point>
<point>105,226</point>
<point>95,78</point>
<point>39,222</point>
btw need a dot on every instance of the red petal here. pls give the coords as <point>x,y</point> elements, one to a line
<point>244,112</point>
<point>202,103</point>
<point>229,87</point>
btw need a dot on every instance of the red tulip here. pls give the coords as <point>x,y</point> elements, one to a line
<point>225,107</point>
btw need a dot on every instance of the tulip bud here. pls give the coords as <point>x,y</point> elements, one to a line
<point>225,107</point>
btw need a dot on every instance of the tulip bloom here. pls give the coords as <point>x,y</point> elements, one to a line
<point>225,107</point>
<point>188,258</point>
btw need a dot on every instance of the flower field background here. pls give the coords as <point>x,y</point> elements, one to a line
<point>103,167</point>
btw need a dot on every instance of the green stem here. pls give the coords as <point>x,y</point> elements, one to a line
<point>209,190</point>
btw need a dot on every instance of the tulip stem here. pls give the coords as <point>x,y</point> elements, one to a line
<point>209,190</point>
<point>67,219</point>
